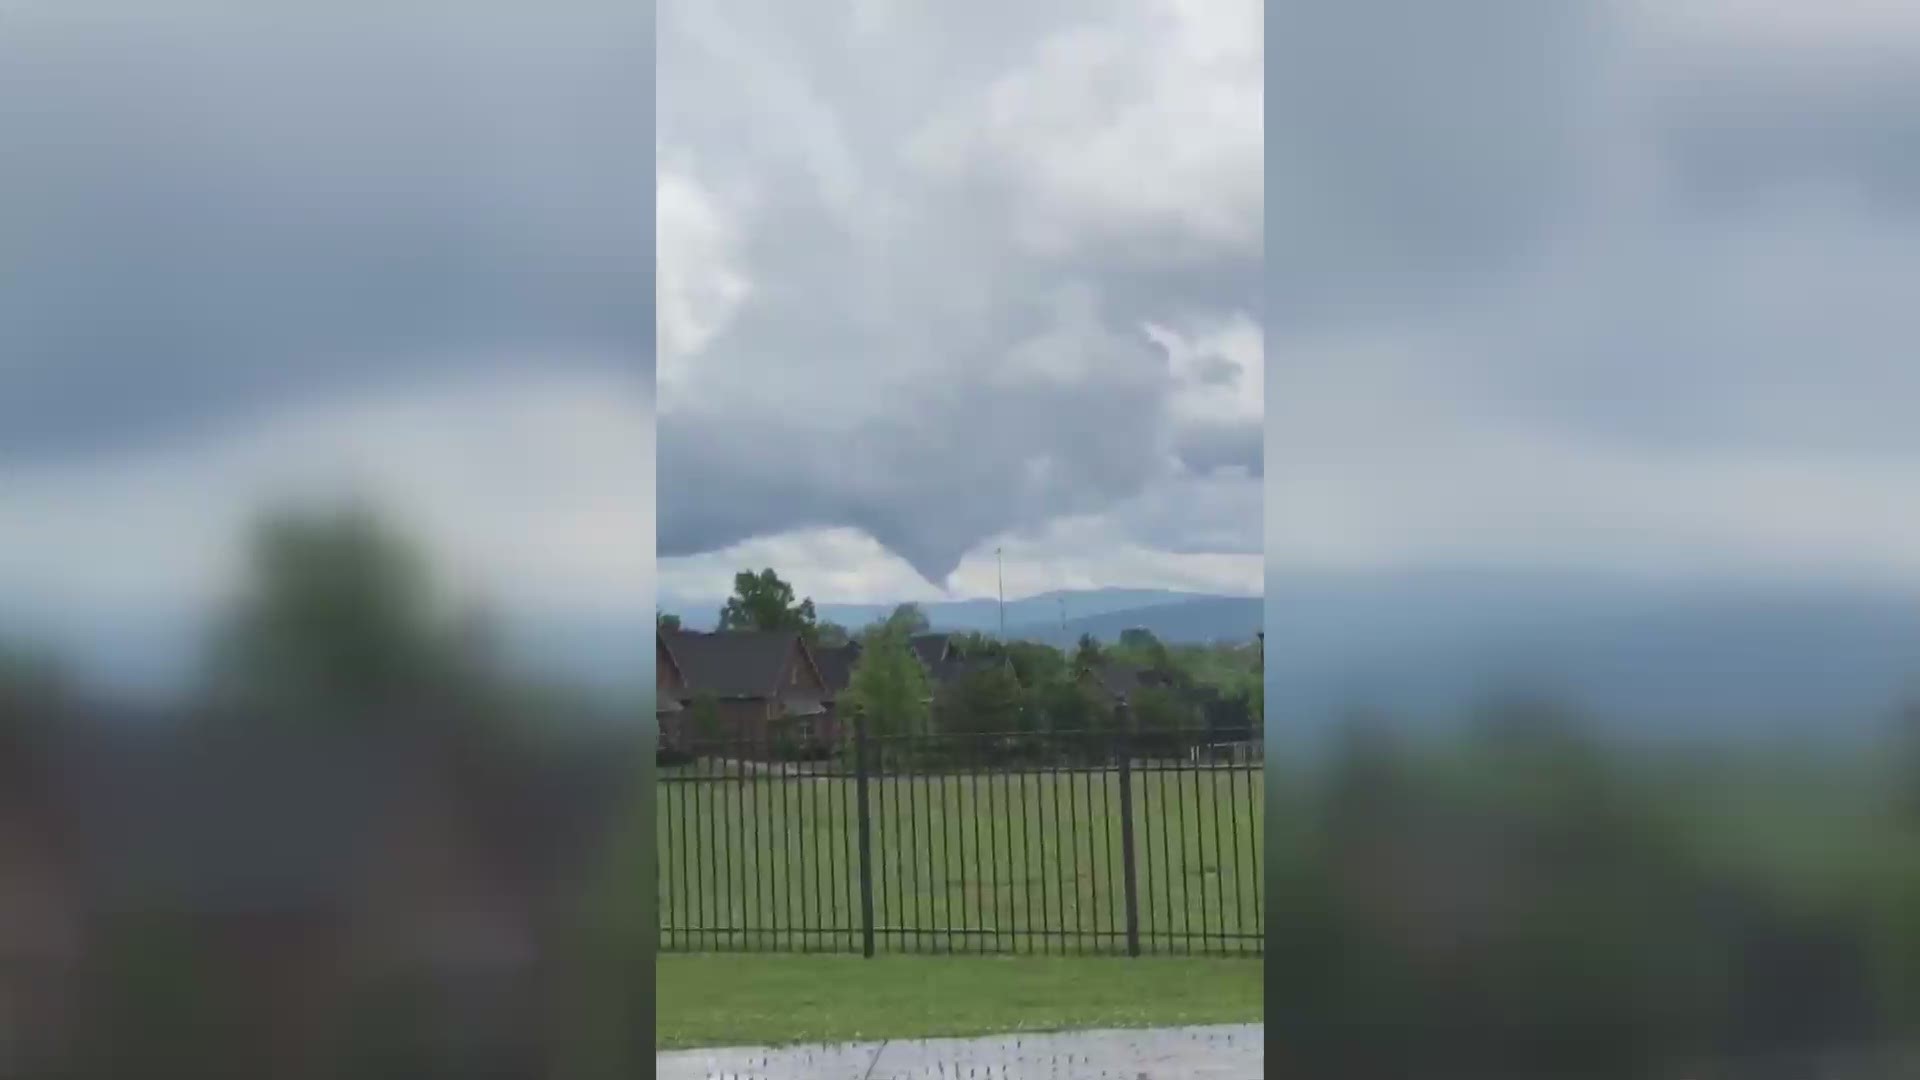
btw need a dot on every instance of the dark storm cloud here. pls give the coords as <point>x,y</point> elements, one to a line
<point>953,461</point>
<point>1601,226</point>
<point>221,209</point>
<point>906,364</point>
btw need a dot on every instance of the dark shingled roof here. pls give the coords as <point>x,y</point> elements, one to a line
<point>949,671</point>
<point>930,648</point>
<point>732,663</point>
<point>836,664</point>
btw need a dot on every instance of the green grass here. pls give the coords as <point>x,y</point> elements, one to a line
<point>774,999</point>
<point>961,863</point>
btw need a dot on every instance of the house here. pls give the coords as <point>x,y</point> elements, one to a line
<point>669,682</point>
<point>933,649</point>
<point>284,883</point>
<point>765,688</point>
<point>836,663</point>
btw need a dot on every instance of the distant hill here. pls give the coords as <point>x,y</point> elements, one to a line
<point>1641,658</point>
<point>963,615</point>
<point>1193,621</point>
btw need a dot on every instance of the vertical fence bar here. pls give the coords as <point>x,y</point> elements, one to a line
<point>849,862</point>
<point>1093,880</point>
<point>1026,851</point>
<point>1129,889</point>
<point>921,798</point>
<point>1255,808</point>
<point>740,835</point>
<point>1233,822</point>
<point>866,835</point>
<point>993,861</point>
<point>1219,862</point>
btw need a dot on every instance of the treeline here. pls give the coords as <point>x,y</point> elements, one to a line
<point>1015,698</point>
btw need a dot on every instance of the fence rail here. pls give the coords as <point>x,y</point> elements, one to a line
<point>1049,843</point>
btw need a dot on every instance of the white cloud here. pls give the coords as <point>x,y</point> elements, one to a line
<point>1220,366</point>
<point>1144,127</point>
<point>533,492</point>
<point>701,282</point>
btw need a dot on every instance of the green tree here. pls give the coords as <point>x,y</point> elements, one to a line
<point>1036,664</point>
<point>986,701</point>
<point>1088,653</point>
<point>1067,705</point>
<point>977,645</point>
<point>665,620</point>
<point>339,615</point>
<point>909,618</point>
<point>888,686</point>
<point>1163,718</point>
<point>764,602</point>
<point>832,635</point>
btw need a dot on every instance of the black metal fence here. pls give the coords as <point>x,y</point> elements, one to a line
<point>1060,842</point>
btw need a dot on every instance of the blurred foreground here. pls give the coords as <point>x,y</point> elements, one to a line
<point>357,849</point>
<point>1527,900</point>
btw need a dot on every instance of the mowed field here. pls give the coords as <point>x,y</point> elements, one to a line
<point>999,862</point>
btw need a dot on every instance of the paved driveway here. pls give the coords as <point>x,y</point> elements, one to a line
<point>1219,1052</point>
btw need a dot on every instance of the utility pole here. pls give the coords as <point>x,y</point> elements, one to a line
<point>1000,576</point>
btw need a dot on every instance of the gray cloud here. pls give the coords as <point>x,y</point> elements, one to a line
<point>217,211</point>
<point>1618,243</point>
<point>931,349</point>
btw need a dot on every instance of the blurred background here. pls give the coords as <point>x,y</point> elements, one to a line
<point>326,490</point>
<point>1593,583</point>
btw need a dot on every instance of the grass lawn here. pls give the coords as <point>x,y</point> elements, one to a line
<point>968,863</point>
<point>735,999</point>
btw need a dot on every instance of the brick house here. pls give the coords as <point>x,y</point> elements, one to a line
<point>669,682</point>
<point>284,884</point>
<point>766,690</point>
<point>836,663</point>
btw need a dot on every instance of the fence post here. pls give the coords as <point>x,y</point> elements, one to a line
<point>1127,869</point>
<point>866,833</point>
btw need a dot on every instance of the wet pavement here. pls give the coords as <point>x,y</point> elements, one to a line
<point>1216,1052</point>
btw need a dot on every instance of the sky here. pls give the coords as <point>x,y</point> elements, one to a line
<point>1599,285</point>
<point>938,280</point>
<point>1595,286</point>
<point>257,259</point>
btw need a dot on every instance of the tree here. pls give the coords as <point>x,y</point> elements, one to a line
<point>986,701</point>
<point>1036,664</point>
<point>888,686</point>
<point>1087,653</point>
<point>338,616</point>
<point>832,635</point>
<point>764,602</point>
<point>665,621</point>
<point>975,644</point>
<point>1067,705</point>
<point>909,618</point>
<point>1163,718</point>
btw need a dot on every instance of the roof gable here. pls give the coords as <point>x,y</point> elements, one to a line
<point>836,663</point>
<point>668,665</point>
<point>932,649</point>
